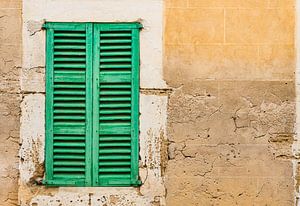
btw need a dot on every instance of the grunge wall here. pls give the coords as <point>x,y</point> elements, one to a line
<point>231,115</point>
<point>10,62</point>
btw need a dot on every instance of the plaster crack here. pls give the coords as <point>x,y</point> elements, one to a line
<point>32,34</point>
<point>2,16</point>
<point>90,199</point>
<point>213,196</point>
<point>12,139</point>
<point>235,118</point>
<point>210,169</point>
<point>216,111</point>
<point>260,190</point>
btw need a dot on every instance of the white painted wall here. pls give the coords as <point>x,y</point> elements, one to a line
<point>153,108</point>
<point>148,12</point>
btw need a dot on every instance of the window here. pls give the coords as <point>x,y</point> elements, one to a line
<point>92,111</point>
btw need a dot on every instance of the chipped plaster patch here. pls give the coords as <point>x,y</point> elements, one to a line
<point>33,136</point>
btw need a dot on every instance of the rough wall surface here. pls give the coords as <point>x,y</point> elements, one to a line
<point>232,113</point>
<point>153,102</point>
<point>10,56</point>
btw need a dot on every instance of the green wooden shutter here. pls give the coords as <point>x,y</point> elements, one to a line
<point>116,110</point>
<point>92,110</point>
<point>68,102</point>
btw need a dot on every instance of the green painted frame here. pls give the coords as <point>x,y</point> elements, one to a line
<point>92,87</point>
<point>135,81</point>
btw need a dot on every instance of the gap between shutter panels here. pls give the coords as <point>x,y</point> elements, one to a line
<point>69,104</point>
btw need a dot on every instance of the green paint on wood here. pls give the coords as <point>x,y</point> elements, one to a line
<point>92,104</point>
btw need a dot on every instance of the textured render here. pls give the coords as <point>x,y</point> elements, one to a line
<point>10,56</point>
<point>32,158</point>
<point>153,102</point>
<point>231,114</point>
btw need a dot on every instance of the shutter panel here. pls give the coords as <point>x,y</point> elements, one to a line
<point>68,155</point>
<point>116,90</point>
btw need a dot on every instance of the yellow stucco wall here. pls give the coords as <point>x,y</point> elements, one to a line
<point>229,39</point>
<point>231,115</point>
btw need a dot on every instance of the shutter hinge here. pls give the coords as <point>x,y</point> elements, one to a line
<point>45,25</point>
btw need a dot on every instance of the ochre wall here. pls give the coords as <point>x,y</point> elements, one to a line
<point>10,62</point>
<point>231,64</point>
